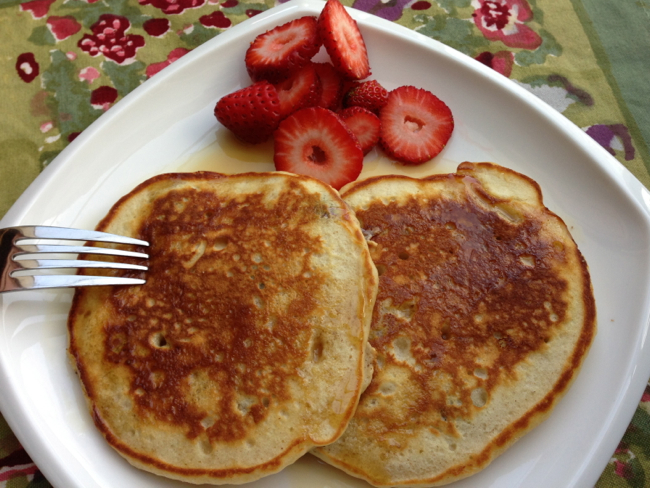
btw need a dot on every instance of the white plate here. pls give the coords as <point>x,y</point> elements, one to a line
<point>167,124</point>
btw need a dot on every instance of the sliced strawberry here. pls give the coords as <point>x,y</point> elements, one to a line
<point>277,53</point>
<point>252,113</point>
<point>364,125</point>
<point>369,94</point>
<point>315,142</point>
<point>343,41</point>
<point>332,86</point>
<point>301,90</point>
<point>415,125</point>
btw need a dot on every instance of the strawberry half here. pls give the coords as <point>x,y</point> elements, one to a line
<point>277,53</point>
<point>301,90</point>
<point>252,113</point>
<point>332,86</point>
<point>343,41</point>
<point>364,125</point>
<point>415,125</point>
<point>315,142</point>
<point>369,94</point>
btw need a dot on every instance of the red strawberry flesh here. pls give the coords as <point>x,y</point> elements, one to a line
<point>364,125</point>
<point>315,142</point>
<point>332,86</point>
<point>279,52</point>
<point>415,125</point>
<point>301,90</point>
<point>343,41</point>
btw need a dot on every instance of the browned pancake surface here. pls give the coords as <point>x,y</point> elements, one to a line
<point>230,362</point>
<point>484,313</point>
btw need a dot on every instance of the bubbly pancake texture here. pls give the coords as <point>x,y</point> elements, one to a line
<point>484,314</point>
<point>246,346</point>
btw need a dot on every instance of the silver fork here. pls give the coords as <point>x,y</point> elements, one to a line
<point>20,262</point>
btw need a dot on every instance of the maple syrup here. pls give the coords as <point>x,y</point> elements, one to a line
<point>227,155</point>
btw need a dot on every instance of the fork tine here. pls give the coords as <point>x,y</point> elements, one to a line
<point>20,263</point>
<point>30,249</point>
<point>37,282</point>
<point>30,264</point>
<point>65,233</point>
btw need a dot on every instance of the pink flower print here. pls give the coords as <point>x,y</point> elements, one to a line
<point>27,67</point>
<point>46,126</point>
<point>623,470</point>
<point>63,27</point>
<point>622,448</point>
<point>503,20</point>
<point>38,8</point>
<point>103,97</point>
<point>110,39</point>
<point>216,19</point>
<point>646,395</point>
<point>89,74</point>
<point>501,62</point>
<point>154,68</point>
<point>174,7</point>
<point>156,27</point>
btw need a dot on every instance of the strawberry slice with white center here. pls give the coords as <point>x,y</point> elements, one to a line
<point>415,125</point>
<point>301,90</point>
<point>279,52</point>
<point>315,142</point>
<point>364,125</point>
<point>343,41</point>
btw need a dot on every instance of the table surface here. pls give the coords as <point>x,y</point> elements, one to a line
<point>588,59</point>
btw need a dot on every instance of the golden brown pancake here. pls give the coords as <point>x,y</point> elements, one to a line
<point>484,315</point>
<point>245,348</point>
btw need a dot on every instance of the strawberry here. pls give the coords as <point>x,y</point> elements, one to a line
<point>332,86</point>
<point>252,113</point>
<point>302,89</point>
<point>343,41</point>
<point>315,142</point>
<point>277,53</point>
<point>369,94</point>
<point>364,125</point>
<point>415,125</point>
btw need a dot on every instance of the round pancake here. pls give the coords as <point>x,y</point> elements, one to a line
<point>484,314</point>
<point>246,346</point>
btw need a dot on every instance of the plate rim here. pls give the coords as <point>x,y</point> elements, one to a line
<point>626,183</point>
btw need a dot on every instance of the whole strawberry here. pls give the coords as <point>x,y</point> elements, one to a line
<point>252,113</point>
<point>369,95</point>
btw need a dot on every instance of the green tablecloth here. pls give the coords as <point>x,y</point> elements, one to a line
<point>60,70</point>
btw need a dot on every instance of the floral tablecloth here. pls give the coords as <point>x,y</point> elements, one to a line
<point>63,63</point>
